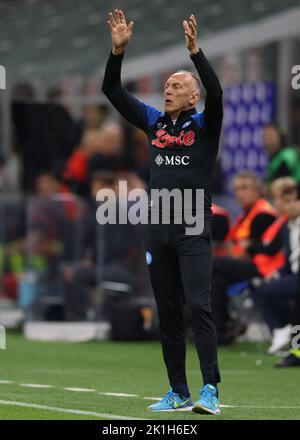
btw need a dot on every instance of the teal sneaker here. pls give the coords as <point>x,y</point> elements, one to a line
<point>208,402</point>
<point>172,401</point>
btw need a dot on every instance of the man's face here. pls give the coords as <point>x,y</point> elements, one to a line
<point>271,139</point>
<point>278,199</point>
<point>46,185</point>
<point>291,205</point>
<point>245,191</point>
<point>180,92</point>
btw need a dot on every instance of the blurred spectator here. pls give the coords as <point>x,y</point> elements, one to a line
<point>132,180</point>
<point>23,92</point>
<point>9,174</point>
<point>281,285</point>
<point>12,244</point>
<point>257,216</point>
<point>283,160</point>
<point>140,154</point>
<point>94,116</point>
<point>45,132</point>
<point>76,170</point>
<point>109,154</point>
<point>47,184</point>
<point>271,243</point>
<point>292,359</point>
<point>112,252</point>
<point>52,240</point>
<point>220,230</point>
<point>54,215</point>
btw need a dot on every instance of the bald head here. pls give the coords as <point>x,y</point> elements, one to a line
<point>181,92</point>
<point>190,76</point>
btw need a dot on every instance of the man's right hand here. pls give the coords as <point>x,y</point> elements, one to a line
<point>121,33</point>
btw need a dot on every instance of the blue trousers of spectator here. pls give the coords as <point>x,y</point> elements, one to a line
<point>273,297</point>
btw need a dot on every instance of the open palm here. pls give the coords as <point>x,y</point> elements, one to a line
<point>190,33</point>
<point>120,32</point>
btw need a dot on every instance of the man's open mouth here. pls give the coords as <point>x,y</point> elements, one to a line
<point>168,101</point>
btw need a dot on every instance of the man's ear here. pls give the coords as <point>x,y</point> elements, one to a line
<point>194,98</point>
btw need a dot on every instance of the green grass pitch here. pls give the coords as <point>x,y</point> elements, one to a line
<point>251,387</point>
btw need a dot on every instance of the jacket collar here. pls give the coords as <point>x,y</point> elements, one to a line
<point>183,114</point>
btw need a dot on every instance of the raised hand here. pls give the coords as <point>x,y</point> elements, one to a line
<point>120,32</point>
<point>190,32</point>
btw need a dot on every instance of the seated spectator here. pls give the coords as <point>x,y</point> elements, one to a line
<point>292,358</point>
<point>257,215</point>
<point>271,243</point>
<point>283,160</point>
<point>281,285</point>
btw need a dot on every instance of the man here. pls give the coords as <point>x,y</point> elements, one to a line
<point>292,359</point>
<point>283,160</point>
<point>276,313</point>
<point>180,264</point>
<point>256,217</point>
<point>282,284</point>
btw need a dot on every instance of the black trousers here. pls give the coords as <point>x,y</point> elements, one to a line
<point>227,271</point>
<point>180,272</point>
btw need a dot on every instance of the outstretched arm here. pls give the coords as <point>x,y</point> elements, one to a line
<point>132,109</point>
<point>213,113</point>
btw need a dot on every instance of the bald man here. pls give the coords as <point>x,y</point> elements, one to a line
<point>183,145</point>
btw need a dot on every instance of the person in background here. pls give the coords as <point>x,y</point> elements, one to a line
<point>140,154</point>
<point>280,287</point>
<point>256,217</point>
<point>75,173</point>
<point>292,359</point>
<point>283,160</point>
<point>111,252</point>
<point>47,184</point>
<point>221,229</point>
<point>272,244</point>
<point>109,155</point>
<point>94,116</point>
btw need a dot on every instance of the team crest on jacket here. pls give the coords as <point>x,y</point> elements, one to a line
<point>186,124</point>
<point>161,126</point>
<point>164,139</point>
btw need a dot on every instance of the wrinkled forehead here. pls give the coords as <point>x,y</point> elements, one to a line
<point>180,77</point>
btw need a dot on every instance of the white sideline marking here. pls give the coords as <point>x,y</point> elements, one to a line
<point>66,410</point>
<point>80,390</point>
<point>118,394</point>
<point>228,406</point>
<point>129,395</point>
<point>35,385</point>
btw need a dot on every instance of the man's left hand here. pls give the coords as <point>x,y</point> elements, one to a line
<point>190,32</point>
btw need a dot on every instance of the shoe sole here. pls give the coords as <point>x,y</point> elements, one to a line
<point>199,409</point>
<point>187,408</point>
